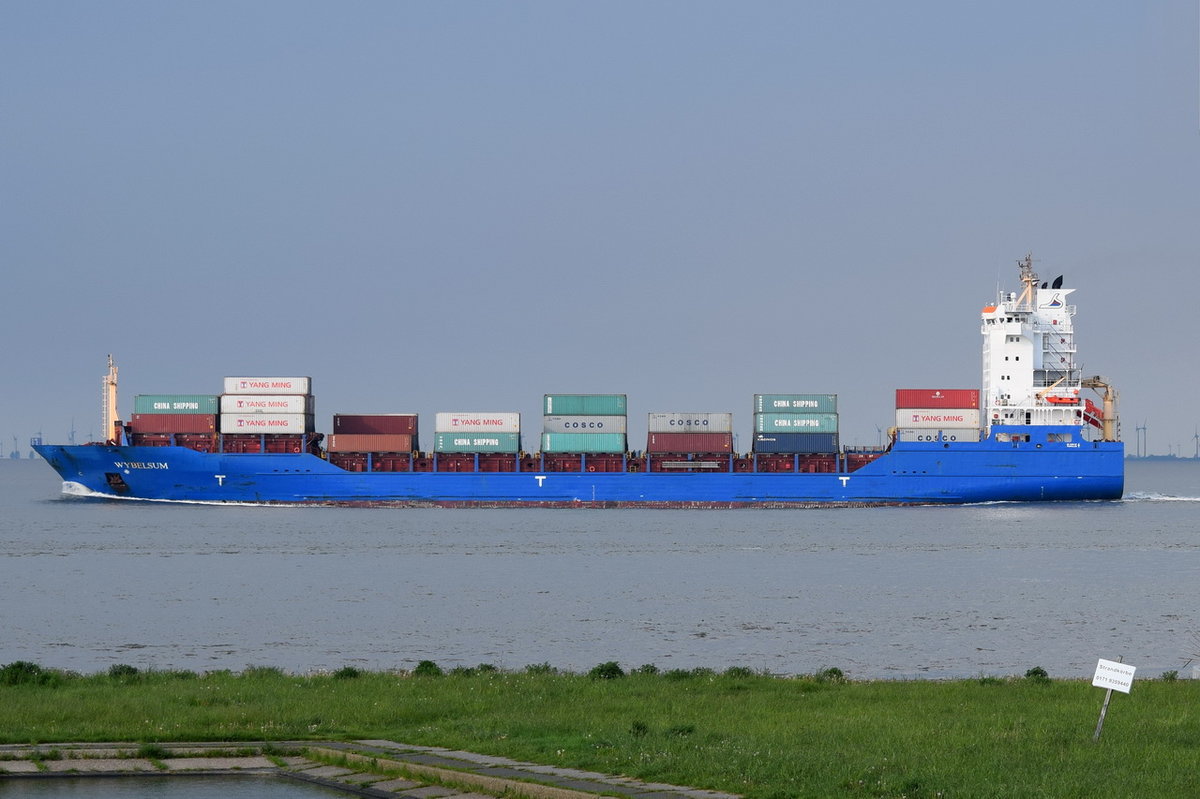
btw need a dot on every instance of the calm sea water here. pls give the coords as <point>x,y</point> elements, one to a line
<point>879,593</point>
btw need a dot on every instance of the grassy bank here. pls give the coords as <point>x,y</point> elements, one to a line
<point>742,732</point>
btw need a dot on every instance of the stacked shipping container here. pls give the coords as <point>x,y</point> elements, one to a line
<point>584,423</point>
<point>376,441</point>
<point>477,432</point>
<point>686,433</point>
<point>373,432</point>
<point>186,420</point>
<point>947,414</point>
<point>795,423</point>
<point>266,414</point>
<point>271,414</point>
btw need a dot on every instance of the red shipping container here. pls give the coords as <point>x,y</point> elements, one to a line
<point>195,438</point>
<point>375,423</point>
<point>173,423</point>
<point>283,443</point>
<point>560,462</point>
<point>383,463</point>
<point>241,444</point>
<point>151,439</point>
<point>689,442</point>
<point>341,442</point>
<point>349,461</point>
<point>937,398</point>
<point>201,442</point>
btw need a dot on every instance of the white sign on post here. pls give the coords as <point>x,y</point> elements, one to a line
<point>1113,675</point>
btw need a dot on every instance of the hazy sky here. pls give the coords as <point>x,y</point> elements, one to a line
<point>451,206</point>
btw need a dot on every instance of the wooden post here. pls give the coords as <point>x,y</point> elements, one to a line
<point>1103,712</point>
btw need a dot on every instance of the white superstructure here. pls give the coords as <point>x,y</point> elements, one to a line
<point>1030,376</point>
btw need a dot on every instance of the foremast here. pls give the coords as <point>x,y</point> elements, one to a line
<point>1030,374</point>
<point>109,417</point>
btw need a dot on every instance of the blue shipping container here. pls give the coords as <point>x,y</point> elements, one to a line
<point>476,442</point>
<point>583,442</point>
<point>795,403</point>
<point>803,443</point>
<point>176,403</point>
<point>795,423</point>
<point>584,405</point>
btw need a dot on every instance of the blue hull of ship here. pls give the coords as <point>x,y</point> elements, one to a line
<point>910,473</point>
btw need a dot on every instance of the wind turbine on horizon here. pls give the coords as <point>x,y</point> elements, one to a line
<point>1140,443</point>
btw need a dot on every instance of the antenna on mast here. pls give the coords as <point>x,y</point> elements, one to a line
<point>1029,278</point>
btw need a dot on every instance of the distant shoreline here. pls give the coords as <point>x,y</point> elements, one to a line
<point>1182,458</point>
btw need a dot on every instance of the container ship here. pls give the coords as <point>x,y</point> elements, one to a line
<point>1030,433</point>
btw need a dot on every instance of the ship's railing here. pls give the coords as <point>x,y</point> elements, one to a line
<point>1064,378</point>
<point>796,463</point>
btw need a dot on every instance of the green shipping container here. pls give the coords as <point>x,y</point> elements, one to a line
<point>795,423</point>
<point>476,442</point>
<point>177,403</point>
<point>583,442</point>
<point>584,405</point>
<point>795,403</point>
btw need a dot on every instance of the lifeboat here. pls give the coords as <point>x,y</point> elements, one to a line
<point>1093,414</point>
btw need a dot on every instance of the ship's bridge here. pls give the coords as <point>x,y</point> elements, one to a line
<point>1030,375</point>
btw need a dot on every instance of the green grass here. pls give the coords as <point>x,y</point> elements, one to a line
<point>747,733</point>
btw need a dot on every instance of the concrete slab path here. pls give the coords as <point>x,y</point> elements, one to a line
<point>373,768</point>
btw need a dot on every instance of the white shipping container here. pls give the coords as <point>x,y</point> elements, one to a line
<point>942,434</point>
<point>936,418</point>
<point>268,385</point>
<point>584,424</point>
<point>477,422</point>
<point>250,423</point>
<point>266,403</point>
<point>689,423</point>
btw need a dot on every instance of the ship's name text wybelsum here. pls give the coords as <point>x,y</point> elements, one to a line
<point>141,465</point>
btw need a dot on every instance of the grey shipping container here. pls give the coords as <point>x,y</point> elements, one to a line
<point>937,418</point>
<point>266,403</point>
<point>584,424</point>
<point>234,423</point>
<point>689,423</point>
<point>268,385</point>
<point>477,422</point>
<point>943,434</point>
